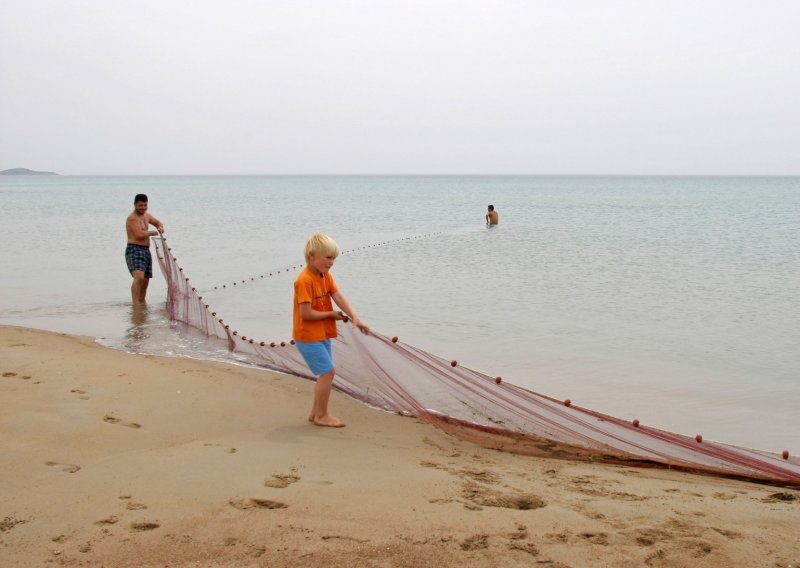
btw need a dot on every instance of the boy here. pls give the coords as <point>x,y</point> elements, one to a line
<point>315,321</point>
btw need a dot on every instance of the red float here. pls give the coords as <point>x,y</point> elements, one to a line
<point>785,454</point>
<point>568,402</point>
<point>453,363</point>
<point>498,380</point>
<point>699,439</point>
<point>635,422</point>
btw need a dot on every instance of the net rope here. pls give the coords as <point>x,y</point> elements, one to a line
<point>394,376</point>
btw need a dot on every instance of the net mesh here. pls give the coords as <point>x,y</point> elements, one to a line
<point>394,376</point>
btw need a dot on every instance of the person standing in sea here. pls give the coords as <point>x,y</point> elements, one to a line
<point>137,253</point>
<point>492,218</point>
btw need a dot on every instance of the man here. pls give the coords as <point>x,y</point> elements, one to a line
<point>137,253</point>
<point>491,216</point>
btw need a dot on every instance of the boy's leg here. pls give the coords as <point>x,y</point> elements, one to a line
<point>322,393</point>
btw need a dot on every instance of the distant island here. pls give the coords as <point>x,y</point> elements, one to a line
<point>25,172</point>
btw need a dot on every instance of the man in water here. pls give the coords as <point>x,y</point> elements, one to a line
<point>137,253</point>
<point>492,217</point>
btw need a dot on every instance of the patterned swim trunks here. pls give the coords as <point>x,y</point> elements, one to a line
<point>138,258</point>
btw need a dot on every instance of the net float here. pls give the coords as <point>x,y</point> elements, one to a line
<point>394,339</point>
<point>453,363</point>
<point>785,454</point>
<point>567,402</point>
<point>635,422</point>
<point>498,380</point>
<point>283,344</point>
<point>699,439</point>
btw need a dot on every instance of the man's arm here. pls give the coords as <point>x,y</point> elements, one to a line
<point>156,223</point>
<point>136,231</point>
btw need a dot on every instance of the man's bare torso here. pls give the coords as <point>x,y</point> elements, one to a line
<point>136,226</point>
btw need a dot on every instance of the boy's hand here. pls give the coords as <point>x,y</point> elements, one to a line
<point>361,326</point>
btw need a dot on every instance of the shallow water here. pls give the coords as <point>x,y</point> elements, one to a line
<point>669,299</point>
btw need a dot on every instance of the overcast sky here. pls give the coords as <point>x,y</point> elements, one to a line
<point>450,86</point>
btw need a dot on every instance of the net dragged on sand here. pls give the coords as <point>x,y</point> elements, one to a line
<point>398,377</point>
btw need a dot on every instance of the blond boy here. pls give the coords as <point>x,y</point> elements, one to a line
<point>315,321</point>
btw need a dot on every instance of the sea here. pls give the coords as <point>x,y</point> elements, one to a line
<point>669,299</point>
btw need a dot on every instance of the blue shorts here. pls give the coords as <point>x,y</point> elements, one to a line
<point>138,258</point>
<point>318,355</point>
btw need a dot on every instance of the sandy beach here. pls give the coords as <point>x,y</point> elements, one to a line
<point>113,459</point>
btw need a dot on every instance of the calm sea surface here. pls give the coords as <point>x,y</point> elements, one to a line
<point>669,299</point>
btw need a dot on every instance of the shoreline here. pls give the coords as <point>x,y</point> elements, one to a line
<point>112,458</point>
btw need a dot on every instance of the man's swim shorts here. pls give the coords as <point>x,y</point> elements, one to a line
<point>138,258</point>
<point>317,354</point>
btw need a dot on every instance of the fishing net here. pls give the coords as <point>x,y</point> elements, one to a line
<point>394,376</point>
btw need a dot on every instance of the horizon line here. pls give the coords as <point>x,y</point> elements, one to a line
<point>412,174</point>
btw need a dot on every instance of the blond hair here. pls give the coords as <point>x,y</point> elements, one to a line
<point>321,243</point>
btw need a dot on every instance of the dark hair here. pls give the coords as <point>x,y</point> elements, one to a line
<point>140,197</point>
<point>491,207</point>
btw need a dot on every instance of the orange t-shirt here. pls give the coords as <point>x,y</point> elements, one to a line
<point>317,291</point>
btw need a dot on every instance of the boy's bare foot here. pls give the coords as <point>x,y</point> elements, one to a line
<point>329,421</point>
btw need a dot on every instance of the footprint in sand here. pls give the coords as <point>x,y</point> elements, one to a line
<point>254,503</point>
<point>784,497</point>
<point>136,506</point>
<point>111,520</point>
<point>483,496</point>
<point>144,526</point>
<point>9,523</point>
<point>281,481</point>
<point>475,542</point>
<point>80,392</point>
<point>68,467</point>
<point>10,375</point>
<point>228,451</point>
<point>113,420</point>
<point>528,547</point>
<point>596,538</point>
